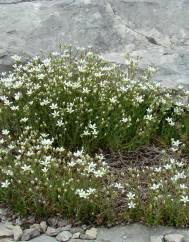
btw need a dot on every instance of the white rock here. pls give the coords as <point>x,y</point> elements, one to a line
<point>156,238</point>
<point>76,235</point>
<point>30,234</point>
<point>52,231</point>
<point>91,233</point>
<point>17,233</point>
<point>36,226</point>
<point>64,236</point>
<point>5,240</point>
<point>173,237</point>
<point>43,225</point>
<point>5,232</point>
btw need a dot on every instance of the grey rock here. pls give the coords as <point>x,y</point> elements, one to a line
<point>36,226</point>
<point>30,234</point>
<point>43,226</point>
<point>53,231</point>
<point>74,230</point>
<point>91,233</point>
<point>5,231</point>
<point>157,30</point>
<point>62,222</point>
<point>76,235</point>
<point>30,220</point>
<point>5,240</point>
<point>156,238</point>
<point>53,222</point>
<point>43,238</point>
<point>17,233</point>
<point>173,237</point>
<point>64,236</point>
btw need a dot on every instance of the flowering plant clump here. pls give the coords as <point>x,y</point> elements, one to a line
<point>83,101</point>
<point>156,194</point>
<point>57,117</point>
<point>38,178</point>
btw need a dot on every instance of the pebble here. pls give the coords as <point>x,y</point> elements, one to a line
<point>173,238</point>
<point>5,232</point>
<point>64,236</point>
<point>91,233</point>
<point>76,235</point>
<point>52,231</point>
<point>30,234</point>
<point>74,230</point>
<point>36,226</point>
<point>156,238</point>
<point>43,226</point>
<point>17,233</point>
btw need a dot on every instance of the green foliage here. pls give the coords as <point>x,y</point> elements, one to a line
<point>55,111</point>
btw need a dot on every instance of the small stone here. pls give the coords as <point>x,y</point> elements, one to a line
<point>5,232</point>
<point>74,230</point>
<point>43,226</point>
<point>53,222</point>
<point>52,231</point>
<point>5,240</point>
<point>156,238</point>
<point>17,233</point>
<point>84,226</point>
<point>30,220</point>
<point>67,228</point>
<point>62,222</point>
<point>91,233</point>
<point>64,236</point>
<point>76,235</point>
<point>173,237</point>
<point>30,234</point>
<point>36,226</point>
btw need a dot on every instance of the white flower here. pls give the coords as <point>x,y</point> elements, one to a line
<point>183,186</point>
<point>131,204</point>
<point>47,142</point>
<point>148,117</point>
<point>14,108</point>
<point>69,108</point>
<point>78,153</point>
<point>44,102</point>
<point>167,166</point>
<point>17,96</point>
<point>85,194</point>
<point>184,199</point>
<point>130,195</point>
<point>26,167</point>
<point>113,100</point>
<point>24,120</point>
<point>5,184</point>
<point>139,99</point>
<point>16,57</point>
<point>155,186</point>
<point>5,131</point>
<point>45,169</point>
<point>53,106</point>
<point>176,142</point>
<point>55,114</point>
<point>59,123</point>
<point>118,185</point>
<point>170,121</point>
<point>46,62</point>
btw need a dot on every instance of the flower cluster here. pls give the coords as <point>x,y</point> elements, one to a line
<point>37,173</point>
<point>83,101</point>
<point>58,114</point>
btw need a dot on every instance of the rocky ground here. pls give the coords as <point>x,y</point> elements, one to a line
<point>13,228</point>
<point>156,30</point>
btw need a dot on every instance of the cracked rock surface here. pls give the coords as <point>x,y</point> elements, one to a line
<point>157,30</point>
